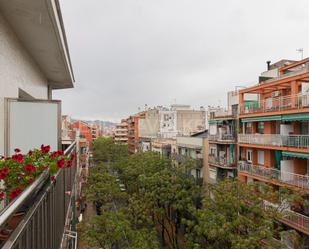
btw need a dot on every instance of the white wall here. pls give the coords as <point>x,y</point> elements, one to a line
<point>17,70</point>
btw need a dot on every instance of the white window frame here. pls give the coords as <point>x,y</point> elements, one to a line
<point>249,154</point>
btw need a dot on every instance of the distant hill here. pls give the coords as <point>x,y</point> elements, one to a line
<point>102,123</point>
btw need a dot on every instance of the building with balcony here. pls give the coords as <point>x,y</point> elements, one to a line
<point>133,124</point>
<point>222,158</point>
<point>35,61</point>
<point>163,146</point>
<point>121,133</point>
<point>274,132</point>
<point>195,149</point>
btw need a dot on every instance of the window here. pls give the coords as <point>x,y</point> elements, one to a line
<point>248,128</point>
<point>249,156</point>
<point>260,157</point>
<point>260,127</point>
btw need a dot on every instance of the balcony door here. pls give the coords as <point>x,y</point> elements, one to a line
<point>30,123</point>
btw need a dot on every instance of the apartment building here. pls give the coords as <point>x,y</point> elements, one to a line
<point>163,146</point>
<point>222,159</point>
<point>195,149</point>
<point>274,134</point>
<point>34,61</point>
<point>121,133</point>
<point>133,131</point>
<point>177,120</point>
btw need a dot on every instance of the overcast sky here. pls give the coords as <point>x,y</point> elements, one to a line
<point>128,53</point>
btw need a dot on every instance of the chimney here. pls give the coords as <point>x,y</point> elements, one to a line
<point>268,64</point>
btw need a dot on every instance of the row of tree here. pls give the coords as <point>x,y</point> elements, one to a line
<point>163,207</point>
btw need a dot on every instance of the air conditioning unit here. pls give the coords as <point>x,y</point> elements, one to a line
<point>275,94</point>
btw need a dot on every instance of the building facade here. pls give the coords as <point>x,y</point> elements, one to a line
<point>133,131</point>
<point>177,120</point>
<point>121,133</point>
<point>222,159</point>
<point>274,134</point>
<point>195,149</point>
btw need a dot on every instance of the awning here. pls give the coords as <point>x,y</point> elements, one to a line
<point>296,117</point>
<point>212,121</point>
<point>261,119</point>
<point>295,154</point>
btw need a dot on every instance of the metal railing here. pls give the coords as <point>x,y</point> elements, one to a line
<point>222,137</point>
<point>289,217</point>
<point>273,104</point>
<point>220,161</point>
<point>45,208</point>
<point>297,180</point>
<point>297,220</point>
<point>298,141</point>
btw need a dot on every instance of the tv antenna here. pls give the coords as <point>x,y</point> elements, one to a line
<point>301,51</point>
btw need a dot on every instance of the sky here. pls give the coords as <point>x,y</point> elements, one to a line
<point>129,53</point>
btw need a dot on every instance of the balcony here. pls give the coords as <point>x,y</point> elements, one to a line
<point>290,218</point>
<point>296,141</point>
<point>272,174</point>
<point>276,104</point>
<point>296,220</point>
<point>222,138</point>
<point>43,215</point>
<point>221,162</point>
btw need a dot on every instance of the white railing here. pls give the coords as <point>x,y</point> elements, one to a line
<point>222,137</point>
<point>297,180</point>
<point>298,141</point>
<point>289,217</point>
<point>296,219</point>
<point>220,161</point>
<point>280,103</point>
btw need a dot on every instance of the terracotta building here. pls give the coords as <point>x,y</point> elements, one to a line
<point>274,133</point>
<point>132,122</point>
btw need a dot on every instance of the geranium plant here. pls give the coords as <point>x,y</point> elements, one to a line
<point>20,170</point>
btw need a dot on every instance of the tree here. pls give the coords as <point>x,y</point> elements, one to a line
<point>232,216</point>
<point>104,150</point>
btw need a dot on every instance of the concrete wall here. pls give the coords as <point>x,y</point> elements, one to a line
<point>17,70</point>
<point>189,121</point>
<point>150,125</point>
<point>191,141</point>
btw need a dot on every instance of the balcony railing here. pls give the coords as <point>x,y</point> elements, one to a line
<point>273,104</point>
<point>296,220</point>
<point>220,161</point>
<point>289,217</point>
<point>297,180</point>
<point>298,141</point>
<point>45,208</point>
<point>222,137</point>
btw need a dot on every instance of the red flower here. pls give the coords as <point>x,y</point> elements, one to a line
<point>56,154</point>
<point>45,149</point>
<point>17,150</point>
<point>30,180</point>
<point>53,179</point>
<point>30,153</point>
<point>3,173</point>
<point>29,168</point>
<point>2,195</point>
<point>18,158</point>
<point>69,163</point>
<point>61,163</point>
<point>16,192</point>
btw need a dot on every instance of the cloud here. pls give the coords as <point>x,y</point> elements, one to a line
<point>127,53</point>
